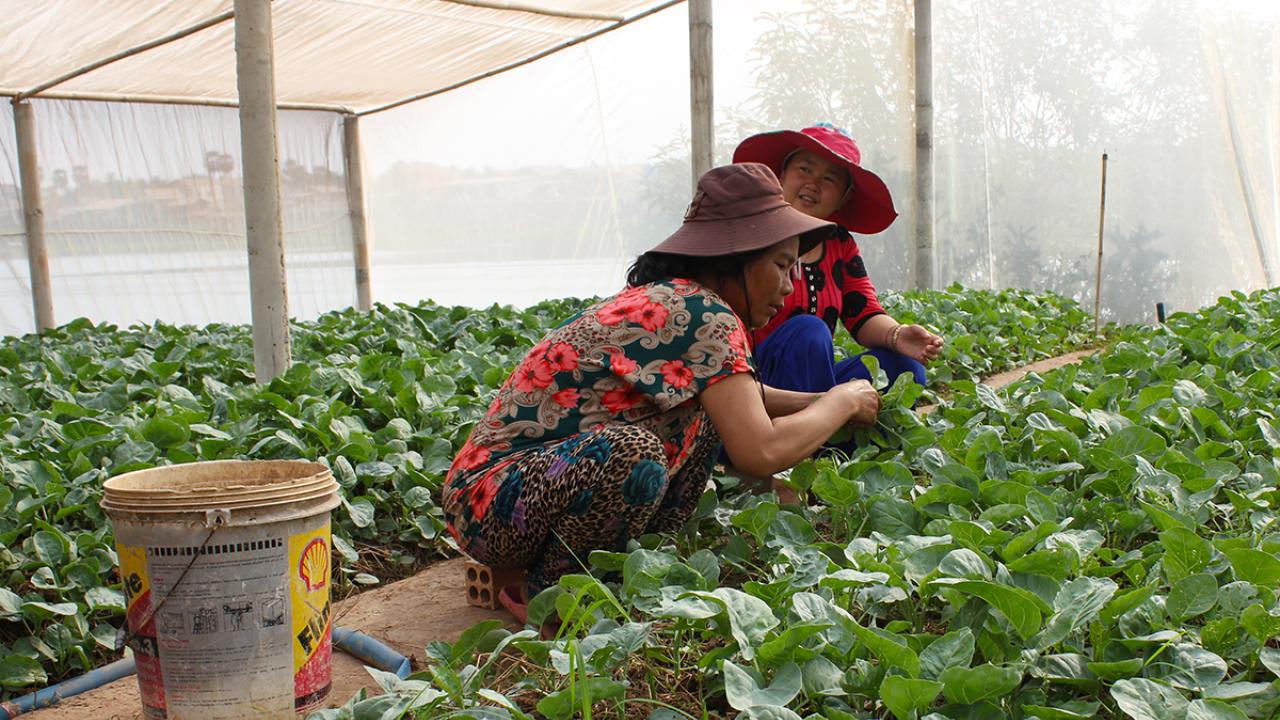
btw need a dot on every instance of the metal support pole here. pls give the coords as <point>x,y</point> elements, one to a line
<point>24,122</point>
<point>925,260</point>
<point>702,120</point>
<point>260,159</point>
<point>356,205</point>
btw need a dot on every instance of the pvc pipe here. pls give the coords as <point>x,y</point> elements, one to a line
<point>371,651</point>
<point>52,694</point>
<point>352,642</point>
<point>260,161</point>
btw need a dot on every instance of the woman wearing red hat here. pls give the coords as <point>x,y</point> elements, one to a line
<point>821,176</point>
<point>609,426</point>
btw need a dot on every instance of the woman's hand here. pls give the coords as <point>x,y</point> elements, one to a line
<point>916,342</point>
<point>864,402</point>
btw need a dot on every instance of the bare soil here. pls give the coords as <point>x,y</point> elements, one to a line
<point>406,615</point>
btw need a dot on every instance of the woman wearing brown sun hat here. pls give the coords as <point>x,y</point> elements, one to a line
<point>610,425</point>
<point>821,175</point>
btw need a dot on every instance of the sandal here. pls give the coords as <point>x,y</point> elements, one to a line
<point>511,598</point>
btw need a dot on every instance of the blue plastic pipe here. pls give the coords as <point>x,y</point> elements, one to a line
<point>44,697</point>
<point>372,652</point>
<point>352,642</point>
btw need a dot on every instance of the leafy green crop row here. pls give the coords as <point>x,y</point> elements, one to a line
<point>988,331</point>
<point>384,398</point>
<point>1100,541</point>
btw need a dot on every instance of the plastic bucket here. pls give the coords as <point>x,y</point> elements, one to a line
<point>225,567</point>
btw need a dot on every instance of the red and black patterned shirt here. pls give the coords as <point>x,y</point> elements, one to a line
<point>836,289</point>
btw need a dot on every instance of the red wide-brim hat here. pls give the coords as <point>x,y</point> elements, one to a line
<point>870,208</point>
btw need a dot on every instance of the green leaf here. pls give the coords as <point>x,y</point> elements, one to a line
<point>1270,658</point>
<point>834,488</point>
<point>19,671</point>
<point>1076,605</point>
<point>565,704</point>
<point>1135,440</point>
<point>101,598</point>
<point>165,432</point>
<point>894,517</point>
<point>906,697</point>
<point>361,511</point>
<point>969,686</point>
<point>52,548</point>
<point>1191,596</point>
<point>1259,623</point>
<point>1073,710</point>
<point>889,648</point>
<point>742,691</point>
<point>1117,670</point>
<point>1021,608</point>
<point>955,649</point>
<point>1185,553</point>
<point>766,712</point>
<point>1126,601</point>
<point>1255,566</point>
<point>1142,699</point>
<point>1213,710</point>
<point>1188,666</point>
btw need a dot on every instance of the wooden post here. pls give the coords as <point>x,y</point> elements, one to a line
<point>702,120</point>
<point>1102,216</point>
<point>925,260</point>
<point>260,159</point>
<point>356,205</point>
<point>24,122</point>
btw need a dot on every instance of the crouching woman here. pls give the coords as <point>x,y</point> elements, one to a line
<point>609,427</point>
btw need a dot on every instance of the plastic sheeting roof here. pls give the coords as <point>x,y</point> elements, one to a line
<point>359,55</point>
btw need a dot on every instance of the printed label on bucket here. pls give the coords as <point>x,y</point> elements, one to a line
<point>246,631</point>
<point>142,637</point>
<point>309,557</point>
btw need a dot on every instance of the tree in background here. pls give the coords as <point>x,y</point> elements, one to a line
<point>1027,96</point>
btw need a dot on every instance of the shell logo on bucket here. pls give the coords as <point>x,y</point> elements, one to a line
<point>312,648</point>
<point>313,568</point>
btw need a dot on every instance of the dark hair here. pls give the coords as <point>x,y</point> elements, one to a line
<point>659,266</point>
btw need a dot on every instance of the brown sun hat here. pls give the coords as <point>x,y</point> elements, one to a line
<point>740,208</point>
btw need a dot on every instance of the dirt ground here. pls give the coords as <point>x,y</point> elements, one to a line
<point>406,615</point>
<point>1005,378</point>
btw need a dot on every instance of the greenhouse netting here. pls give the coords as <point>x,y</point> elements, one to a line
<point>545,181</point>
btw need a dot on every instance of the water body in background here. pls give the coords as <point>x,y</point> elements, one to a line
<point>209,287</point>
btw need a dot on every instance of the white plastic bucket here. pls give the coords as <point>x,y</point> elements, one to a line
<point>225,567</point>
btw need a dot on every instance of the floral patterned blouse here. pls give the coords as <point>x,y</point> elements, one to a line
<point>836,289</point>
<point>640,357</point>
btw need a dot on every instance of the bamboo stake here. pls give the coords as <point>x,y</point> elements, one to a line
<point>1102,216</point>
<point>701,104</point>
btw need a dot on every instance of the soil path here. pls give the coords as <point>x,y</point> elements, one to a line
<point>1009,377</point>
<point>406,615</point>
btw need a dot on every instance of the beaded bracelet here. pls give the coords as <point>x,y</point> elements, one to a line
<point>891,337</point>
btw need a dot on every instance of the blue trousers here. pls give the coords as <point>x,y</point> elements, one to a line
<point>800,355</point>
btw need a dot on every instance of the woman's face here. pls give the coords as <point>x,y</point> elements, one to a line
<point>768,282</point>
<point>813,184</point>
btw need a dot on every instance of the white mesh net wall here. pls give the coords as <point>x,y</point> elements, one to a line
<point>144,214</point>
<point>546,181</point>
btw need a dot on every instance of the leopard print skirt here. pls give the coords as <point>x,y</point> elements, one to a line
<point>591,491</point>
